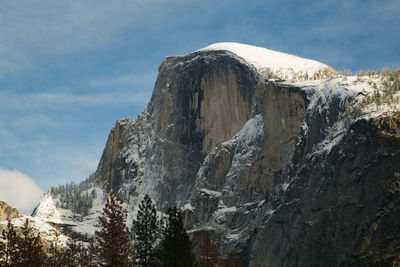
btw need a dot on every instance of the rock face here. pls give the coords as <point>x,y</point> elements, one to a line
<point>277,170</point>
<point>340,208</point>
<point>7,212</point>
<point>199,102</point>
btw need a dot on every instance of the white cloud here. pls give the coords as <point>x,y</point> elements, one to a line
<point>18,190</point>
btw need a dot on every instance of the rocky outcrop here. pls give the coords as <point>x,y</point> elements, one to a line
<point>189,117</point>
<point>341,207</point>
<point>7,212</point>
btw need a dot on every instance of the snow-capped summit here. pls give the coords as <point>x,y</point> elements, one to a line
<point>273,64</point>
<point>47,209</point>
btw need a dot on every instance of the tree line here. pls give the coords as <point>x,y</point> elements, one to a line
<point>76,197</point>
<point>150,242</point>
<point>385,93</point>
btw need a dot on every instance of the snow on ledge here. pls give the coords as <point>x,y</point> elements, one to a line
<point>212,193</point>
<point>188,206</point>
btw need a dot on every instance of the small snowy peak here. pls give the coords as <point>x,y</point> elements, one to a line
<point>273,64</point>
<point>47,209</point>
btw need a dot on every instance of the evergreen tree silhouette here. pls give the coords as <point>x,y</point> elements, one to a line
<point>31,253</point>
<point>114,238</point>
<point>146,232</point>
<point>175,245</point>
<point>2,251</point>
<point>55,252</point>
<point>11,251</point>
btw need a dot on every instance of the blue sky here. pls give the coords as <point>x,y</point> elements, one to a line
<point>70,69</point>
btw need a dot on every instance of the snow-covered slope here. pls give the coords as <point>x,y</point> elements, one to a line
<point>49,211</point>
<point>275,64</point>
<point>48,230</point>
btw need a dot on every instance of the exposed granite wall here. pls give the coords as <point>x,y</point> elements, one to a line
<point>7,212</point>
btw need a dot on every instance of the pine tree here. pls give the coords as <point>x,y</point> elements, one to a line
<point>30,246</point>
<point>72,253</point>
<point>146,232</point>
<point>84,258</point>
<point>11,250</point>
<point>208,252</point>
<point>76,254</point>
<point>89,256</point>
<point>114,237</point>
<point>175,245</point>
<point>2,250</point>
<point>55,253</point>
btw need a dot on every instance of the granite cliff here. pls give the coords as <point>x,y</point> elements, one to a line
<point>7,212</point>
<point>271,153</point>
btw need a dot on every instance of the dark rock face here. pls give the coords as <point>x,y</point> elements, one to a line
<point>206,100</point>
<point>271,170</point>
<point>341,208</point>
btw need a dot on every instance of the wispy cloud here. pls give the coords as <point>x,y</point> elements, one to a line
<point>131,80</point>
<point>33,30</point>
<point>60,100</point>
<point>33,121</point>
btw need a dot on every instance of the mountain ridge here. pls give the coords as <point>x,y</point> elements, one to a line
<point>255,160</point>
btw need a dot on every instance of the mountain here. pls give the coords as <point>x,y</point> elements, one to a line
<point>7,212</point>
<point>48,231</point>
<point>280,158</point>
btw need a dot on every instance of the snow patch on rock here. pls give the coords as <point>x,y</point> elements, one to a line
<point>281,65</point>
